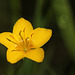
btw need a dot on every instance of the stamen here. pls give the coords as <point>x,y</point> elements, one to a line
<point>14,38</point>
<point>27,41</point>
<point>32,48</point>
<point>32,34</point>
<point>24,33</point>
<point>21,38</point>
<point>12,50</point>
<point>24,30</point>
<point>27,38</point>
<point>20,35</point>
<point>16,50</point>
<point>11,41</point>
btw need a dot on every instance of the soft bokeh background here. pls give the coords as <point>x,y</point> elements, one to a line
<point>58,15</point>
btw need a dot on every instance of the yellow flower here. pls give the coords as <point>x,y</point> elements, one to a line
<point>25,42</point>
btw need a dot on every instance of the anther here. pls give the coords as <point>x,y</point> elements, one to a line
<point>24,30</point>
<point>32,34</point>
<point>16,50</point>
<point>20,35</point>
<point>11,41</point>
<point>27,42</point>
<point>12,50</point>
<point>12,36</point>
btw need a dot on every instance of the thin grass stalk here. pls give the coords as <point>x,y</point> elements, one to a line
<point>65,23</point>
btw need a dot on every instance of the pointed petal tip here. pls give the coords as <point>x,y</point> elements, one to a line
<point>22,19</point>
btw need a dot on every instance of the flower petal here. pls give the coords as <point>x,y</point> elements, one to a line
<point>14,56</point>
<point>40,36</point>
<point>7,39</point>
<point>22,25</point>
<point>36,54</point>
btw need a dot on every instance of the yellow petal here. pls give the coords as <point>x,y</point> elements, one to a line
<point>40,36</point>
<point>7,39</point>
<point>14,56</point>
<point>22,25</point>
<point>36,54</point>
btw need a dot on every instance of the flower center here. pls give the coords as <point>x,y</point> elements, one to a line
<point>24,44</point>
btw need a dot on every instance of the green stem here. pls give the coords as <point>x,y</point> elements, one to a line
<point>25,68</point>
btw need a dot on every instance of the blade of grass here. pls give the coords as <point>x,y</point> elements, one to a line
<point>25,68</point>
<point>65,23</point>
<point>38,13</point>
<point>15,9</point>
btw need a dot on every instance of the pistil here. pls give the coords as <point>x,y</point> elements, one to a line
<point>25,50</point>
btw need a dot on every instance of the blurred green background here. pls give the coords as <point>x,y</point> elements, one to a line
<point>58,15</point>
